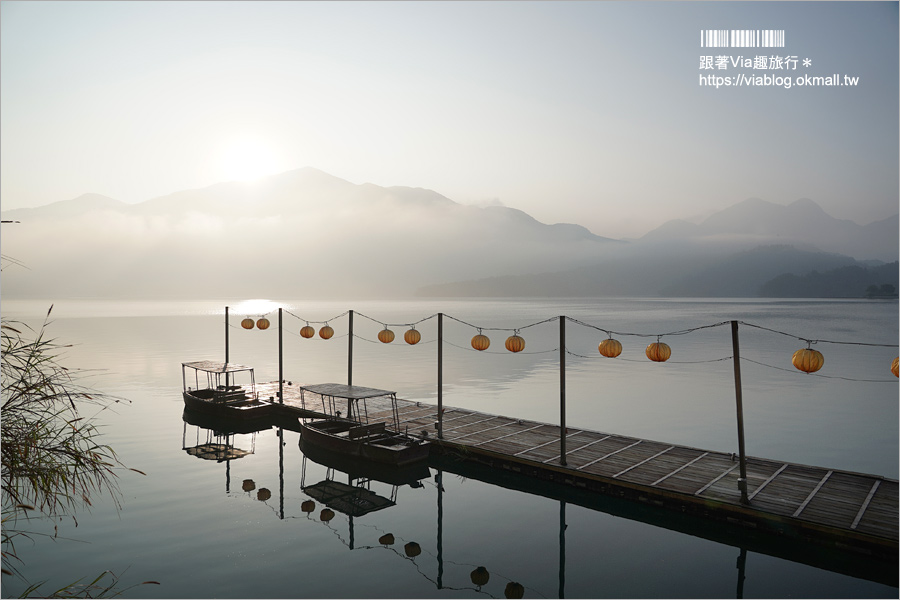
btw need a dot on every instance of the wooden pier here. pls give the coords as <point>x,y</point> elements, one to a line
<point>838,509</point>
<point>843,510</point>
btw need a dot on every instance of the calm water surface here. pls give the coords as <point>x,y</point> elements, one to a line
<point>190,525</point>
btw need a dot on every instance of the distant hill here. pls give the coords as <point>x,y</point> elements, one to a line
<point>756,222</point>
<point>845,282</point>
<point>302,233</point>
<point>741,274</point>
<point>305,233</point>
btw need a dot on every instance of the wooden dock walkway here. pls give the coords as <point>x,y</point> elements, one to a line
<point>840,509</point>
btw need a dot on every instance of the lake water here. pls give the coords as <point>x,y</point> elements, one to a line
<point>190,525</point>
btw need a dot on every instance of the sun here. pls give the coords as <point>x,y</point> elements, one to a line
<point>248,158</point>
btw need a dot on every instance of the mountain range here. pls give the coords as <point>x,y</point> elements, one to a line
<point>305,233</point>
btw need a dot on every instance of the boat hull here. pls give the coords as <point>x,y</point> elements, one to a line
<point>394,450</point>
<point>250,409</point>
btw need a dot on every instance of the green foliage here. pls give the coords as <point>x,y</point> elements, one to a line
<point>52,462</point>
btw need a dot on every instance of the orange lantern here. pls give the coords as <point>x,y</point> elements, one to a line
<point>808,360</point>
<point>385,336</point>
<point>895,367</point>
<point>412,337</point>
<point>480,342</point>
<point>480,576</point>
<point>610,348</point>
<point>658,352</point>
<point>515,343</point>
<point>263,323</point>
<point>307,332</point>
<point>514,589</point>
<point>247,323</point>
<point>326,332</point>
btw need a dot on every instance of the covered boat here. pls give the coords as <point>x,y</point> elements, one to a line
<point>354,434</point>
<point>224,389</point>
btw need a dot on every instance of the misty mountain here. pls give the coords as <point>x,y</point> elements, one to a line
<point>803,223</point>
<point>300,233</point>
<point>305,233</point>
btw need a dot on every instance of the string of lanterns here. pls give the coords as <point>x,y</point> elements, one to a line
<point>806,359</point>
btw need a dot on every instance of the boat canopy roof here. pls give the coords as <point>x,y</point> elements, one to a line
<point>209,366</point>
<point>351,392</point>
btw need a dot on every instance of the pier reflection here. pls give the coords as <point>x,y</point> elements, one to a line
<point>356,489</point>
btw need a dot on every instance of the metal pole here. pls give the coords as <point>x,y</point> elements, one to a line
<point>226,335</point>
<point>562,389</point>
<point>280,362</point>
<point>440,376</point>
<point>742,481</point>
<point>350,352</point>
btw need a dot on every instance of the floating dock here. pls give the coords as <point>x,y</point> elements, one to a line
<point>842,510</point>
<point>839,509</point>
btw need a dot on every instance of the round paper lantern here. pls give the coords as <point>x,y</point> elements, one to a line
<point>308,506</point>
<point>248,485</point>
<point>263,494</point>
<point>385,336</point>
<point>481,342</point>
<point>895,367</point>
<point>658,352</point>
<point>412,337</point>
<point>412,549</point>
<point>480,576</point>
<point>326,332</point>
<point>247,323</point>
<point>514,589</point>
<point>808,360</point>
<point>326,515</point>
<point>263,323</point>
<point>610,348</point>
<point>515,343</point>
<point>387,539</point>
<point>307,332</point>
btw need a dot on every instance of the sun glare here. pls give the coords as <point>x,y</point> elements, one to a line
<point>247,159</point>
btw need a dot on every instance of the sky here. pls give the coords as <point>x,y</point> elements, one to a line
<point>585,112</point>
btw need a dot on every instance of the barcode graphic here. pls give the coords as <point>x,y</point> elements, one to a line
<point>742,38</point>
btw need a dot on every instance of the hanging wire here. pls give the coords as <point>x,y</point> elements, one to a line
<point>814,341</point>
<point>610,333</point>
<point>380,343</point>
<point>636,360</point>
<point>795,372</point>
<point>396,324</point>
<point>502,328</point>
<point>505,352</point>
<point>346,312</point>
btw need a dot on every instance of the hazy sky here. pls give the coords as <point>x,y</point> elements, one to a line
<point>587,112</point>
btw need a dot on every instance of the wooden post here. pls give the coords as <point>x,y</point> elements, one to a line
<point>350,352</point>
<point>280,362</point>
<point>562,389</point>
<point>742,480</point>
<point>440,376</point>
